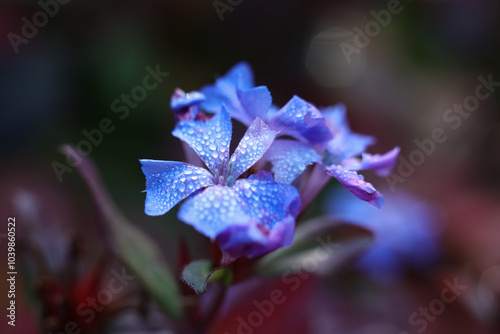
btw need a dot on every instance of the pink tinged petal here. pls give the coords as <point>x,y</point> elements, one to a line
<point>382,165</point>
<point>290,158</point>
<point>210,139</point>
<point>251,148</point>
<point>169,182</point>
<point>355,183</point>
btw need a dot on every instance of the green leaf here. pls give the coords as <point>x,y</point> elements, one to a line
<point>223,275</point>
<point>196,274</point>
<point>199,272</point>
<point>321,245</point>
<point>128,243</point>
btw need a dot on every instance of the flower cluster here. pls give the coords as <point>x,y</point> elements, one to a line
<point>405,223</point>
<point>254,215</point>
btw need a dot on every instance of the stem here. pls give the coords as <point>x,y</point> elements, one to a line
<point>211,309</point>
<point>314,184</point>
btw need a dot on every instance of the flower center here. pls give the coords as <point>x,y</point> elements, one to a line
<point>224,175</point>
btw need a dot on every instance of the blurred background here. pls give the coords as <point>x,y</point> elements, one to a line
<point>64,72</point>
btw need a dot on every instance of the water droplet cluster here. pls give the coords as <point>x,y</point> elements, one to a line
<point>209,139</point>
<point>266,201</point>
<point>214,210</point>
<point>301,120</point>
<point>290,158</point>
<point>355,183</point>
<point>168,182</point>
<point>252,146</point>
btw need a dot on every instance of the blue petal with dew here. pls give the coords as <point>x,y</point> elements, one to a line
<point>210,139</point>
<point>301,120</point>
<point>251,148</point>
<point>168,182</point>
<point>251,218</point>
<point>290,158</point>
<point>268,201</point>
<point>355,183</point>
<point>213,210</point>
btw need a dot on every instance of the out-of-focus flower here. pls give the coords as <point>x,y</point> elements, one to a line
<point>405,231</point>
<point>248,217</point>
<point>42,234</point>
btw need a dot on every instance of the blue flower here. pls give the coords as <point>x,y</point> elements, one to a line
<point>405,224</point>
<point>247,217</point>
<point>342,156</point>
<point>322,136</point>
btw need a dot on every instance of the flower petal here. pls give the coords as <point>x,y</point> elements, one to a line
<point>355,183</point>
<point>210,139</point>
<point>254,217</point>
<point>224,91</point>
<point>180,99</point>
<point>168,182</point>
<point>235,90</point>
<point>301,120</point>
<point>290,158</point>
<point>348,145</point>
<point>345,143</point>
<point>272,208</point>
<point>268,201</point>
<point>252,240</point>
<point>254,103</point>
<point>382,165</point>
<point>242,105</point>
<point>214,210</point>
<point>251,148</point>
<point>241,75</point>
<point>336,118</point>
